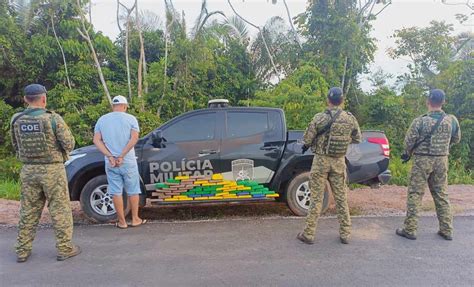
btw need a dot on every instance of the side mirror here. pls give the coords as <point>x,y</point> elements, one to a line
<point>157,138</point>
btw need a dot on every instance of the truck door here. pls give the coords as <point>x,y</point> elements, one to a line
<point>191,148</point>
<point>252,144</point>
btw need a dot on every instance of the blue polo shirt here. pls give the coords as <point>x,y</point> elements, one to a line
<point>116,128</point>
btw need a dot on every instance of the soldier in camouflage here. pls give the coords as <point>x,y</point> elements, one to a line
<point>42,141</point>
<point>430,164</point>
<point>329,145</point>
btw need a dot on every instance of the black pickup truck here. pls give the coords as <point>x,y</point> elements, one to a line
<point>238,142</point>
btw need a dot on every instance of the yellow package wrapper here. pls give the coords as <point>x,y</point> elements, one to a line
<point>201,198</point>
<point>244,196</point>
<point>201,181</point>
<point>186,199</point>
<point>215,197</point>
<point>183,177</point>
<point>273,195</point>
<point>170,199</point>
<point>217,176</point>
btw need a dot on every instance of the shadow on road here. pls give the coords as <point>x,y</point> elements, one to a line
<point>214,211</point>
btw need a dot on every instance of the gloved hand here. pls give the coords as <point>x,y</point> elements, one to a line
<point>304,148</point>
<point>405,157</point>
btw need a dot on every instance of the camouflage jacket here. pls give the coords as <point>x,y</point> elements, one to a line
<point>41,137</point>
<point>446,134</point>
<point>344,131</point>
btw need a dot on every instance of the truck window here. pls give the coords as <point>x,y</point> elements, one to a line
<point>198,127</point>
<point>245,124</point>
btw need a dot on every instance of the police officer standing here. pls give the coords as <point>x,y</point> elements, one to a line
<point>329,135</point>
<point>428,139</point>
<point>42,141</point>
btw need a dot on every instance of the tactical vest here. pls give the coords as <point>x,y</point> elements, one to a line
<point>36,138</point>
<point>438,145</point>
<point>336,141</point>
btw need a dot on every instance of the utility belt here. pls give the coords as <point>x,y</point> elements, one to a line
<point>329,155</point>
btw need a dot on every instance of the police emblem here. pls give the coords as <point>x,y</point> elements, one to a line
<point>242,169</point>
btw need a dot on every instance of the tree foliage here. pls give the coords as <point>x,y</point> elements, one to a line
<point>216,57</point>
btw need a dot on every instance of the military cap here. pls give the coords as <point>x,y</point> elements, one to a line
<point>436,96</point>
<point>35,89</point>
<point>335,95</point>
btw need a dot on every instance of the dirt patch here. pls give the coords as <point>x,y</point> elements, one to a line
<point>10,213</point>
<point>391,200</point>
<point>387,200</point>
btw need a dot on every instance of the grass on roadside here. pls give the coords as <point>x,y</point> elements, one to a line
<point>10,189</point>
<point>457,174</point>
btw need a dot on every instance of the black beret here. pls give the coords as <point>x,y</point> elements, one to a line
<point>34,89</point>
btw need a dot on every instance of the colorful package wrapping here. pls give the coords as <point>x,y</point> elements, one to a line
<point>215,188</point>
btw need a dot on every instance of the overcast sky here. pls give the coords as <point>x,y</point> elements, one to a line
<point>402,13</point>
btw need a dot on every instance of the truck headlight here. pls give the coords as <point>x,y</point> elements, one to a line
<point>73,158</point>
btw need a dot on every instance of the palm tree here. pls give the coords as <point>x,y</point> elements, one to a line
<point>175,29</point>
<point>127,33</point>
<point>276,39</point>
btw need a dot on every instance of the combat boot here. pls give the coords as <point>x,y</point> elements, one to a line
<point>21,259</point>
<point>344,240</point>
<point>401,232</point>
<point>76,250</point>
<point>301,237</point>
<point>445,236</point>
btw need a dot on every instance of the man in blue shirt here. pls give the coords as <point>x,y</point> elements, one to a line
<point>115,135</point>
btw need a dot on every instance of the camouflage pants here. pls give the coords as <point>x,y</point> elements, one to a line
<point>330,169</point>
<point>41,183</point>
<point>434,171</point>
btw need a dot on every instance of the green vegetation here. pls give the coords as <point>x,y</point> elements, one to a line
<point>216,58</point>
<point>9,189</point>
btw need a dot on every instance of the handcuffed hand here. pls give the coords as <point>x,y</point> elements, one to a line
<point>118,161</point>
<point>112,161</point>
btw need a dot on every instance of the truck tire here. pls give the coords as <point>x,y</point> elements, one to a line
<point>298,195</point>
<point>97,203</point>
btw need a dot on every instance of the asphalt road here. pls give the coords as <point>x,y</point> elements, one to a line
<point>248,252</point>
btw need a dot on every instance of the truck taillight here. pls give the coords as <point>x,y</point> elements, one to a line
<point>383,142</point>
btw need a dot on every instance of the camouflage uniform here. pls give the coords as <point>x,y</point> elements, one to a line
<point>42,141</point>
<point>329,165</point>
<point>430,166</point>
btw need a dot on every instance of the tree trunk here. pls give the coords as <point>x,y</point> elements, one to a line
<point>127,61</point>
<point>164,75</point>
<point>85,34</point>
<point>141,62</point>
<point>297,38</point>
<point>62,52</point>
<point>127,34</point>
<point>165,72</point>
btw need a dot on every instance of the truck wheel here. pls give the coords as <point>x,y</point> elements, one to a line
<point>298,195</point>
<point>96,202</point>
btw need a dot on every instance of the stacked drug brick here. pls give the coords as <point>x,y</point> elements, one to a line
<point>197,188</point>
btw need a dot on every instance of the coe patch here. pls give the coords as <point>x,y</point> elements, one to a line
<point>34,127</point>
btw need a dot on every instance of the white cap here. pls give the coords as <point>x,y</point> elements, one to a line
<point>117,100</point>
